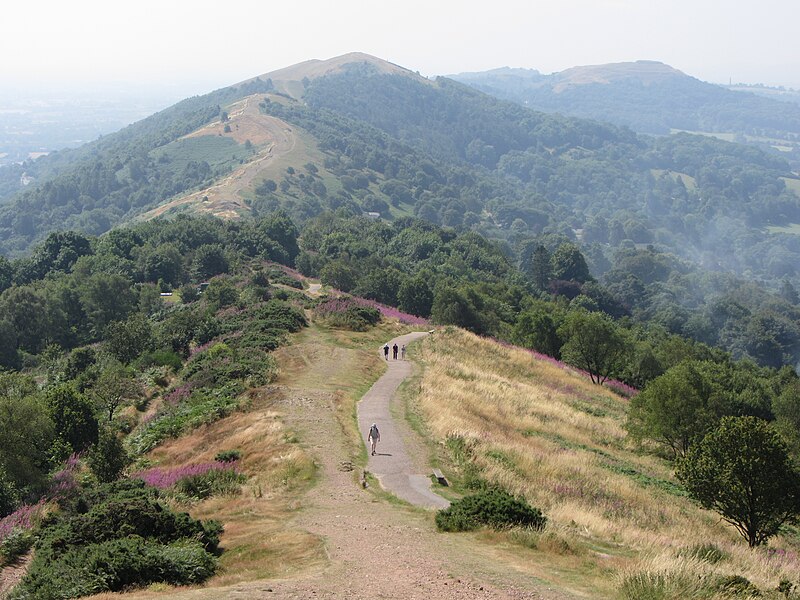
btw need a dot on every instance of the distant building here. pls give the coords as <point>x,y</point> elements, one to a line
<point>372,215</point>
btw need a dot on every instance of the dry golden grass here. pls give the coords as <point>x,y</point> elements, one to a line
<point>257,541</point>
<point>557,439</point>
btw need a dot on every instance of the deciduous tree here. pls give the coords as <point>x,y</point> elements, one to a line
<point>742,471</point>
<point>593,343</point>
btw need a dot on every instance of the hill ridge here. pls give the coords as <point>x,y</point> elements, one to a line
<point>316,67</point>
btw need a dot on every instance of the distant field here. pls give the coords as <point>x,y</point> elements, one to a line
<point>728,137</point>
<point>688,180</point>
<point>792,184</point>
<point>217,151</point>
<point>793,228</point>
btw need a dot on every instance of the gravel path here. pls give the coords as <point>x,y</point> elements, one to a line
<point>392,464</point>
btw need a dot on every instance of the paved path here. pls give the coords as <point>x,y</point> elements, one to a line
<point>392,465</point>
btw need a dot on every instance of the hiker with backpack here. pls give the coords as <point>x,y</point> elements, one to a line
<point>374,437</point>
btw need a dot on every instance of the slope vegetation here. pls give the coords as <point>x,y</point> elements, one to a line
<point>616,515</point>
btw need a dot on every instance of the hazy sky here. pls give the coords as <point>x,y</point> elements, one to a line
<point>200,45</point>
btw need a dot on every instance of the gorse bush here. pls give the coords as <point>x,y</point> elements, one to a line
<point>227,456</point>
<point>202,406</point>
<point>494,508</point>
<point>116,565</point>
<point>14,545</point>
<point>222,364</point>
<point>283,278</point>
<point>736,586</point>
<point>160,358</point>
<point>114,537</point>
<point>219,370</point>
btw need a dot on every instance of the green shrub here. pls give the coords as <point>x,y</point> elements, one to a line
<point>228,456</point>
<point>202,407</point>
<point>278,276</point>
<point>222,364</point>
<point>116,565</point>
<point>160,358</point>
<point>14,545</point>
<point>494,507</point>
<point>355,318</point>
<point>188,293</point>
<point>736,586</point>
<point>346,312</point>
<point>114,537</point>
<point>108,458</point>
<point>9,495</point>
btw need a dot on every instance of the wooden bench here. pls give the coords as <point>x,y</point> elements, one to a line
<point>440,477</point>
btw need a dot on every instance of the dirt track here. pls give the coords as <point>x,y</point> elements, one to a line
<point>224,198</point>
<point>375,549</point>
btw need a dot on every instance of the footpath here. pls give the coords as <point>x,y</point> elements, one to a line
<point>392,464</point>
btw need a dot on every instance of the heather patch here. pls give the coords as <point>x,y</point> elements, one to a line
<point>348,312</point>
<point>196,481</point>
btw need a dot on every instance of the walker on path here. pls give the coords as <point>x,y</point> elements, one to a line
<point>392,465</point>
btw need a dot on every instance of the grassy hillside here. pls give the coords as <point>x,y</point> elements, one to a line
<point>618,518</point>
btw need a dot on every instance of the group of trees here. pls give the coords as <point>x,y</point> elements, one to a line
<point>73,289</point>
<point>82,318</point>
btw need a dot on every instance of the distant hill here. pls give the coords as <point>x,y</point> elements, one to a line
<point>358,134</point>
<point>651,97</point>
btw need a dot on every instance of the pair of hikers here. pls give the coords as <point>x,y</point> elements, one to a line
<point>394,352</point>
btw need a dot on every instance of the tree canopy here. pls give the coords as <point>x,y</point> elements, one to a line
<point>742,471</point>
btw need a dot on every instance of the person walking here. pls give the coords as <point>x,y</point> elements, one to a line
<point>394,352</point>
<point>386,352</point>
<point>374,437</point>
<point>403,352</point>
